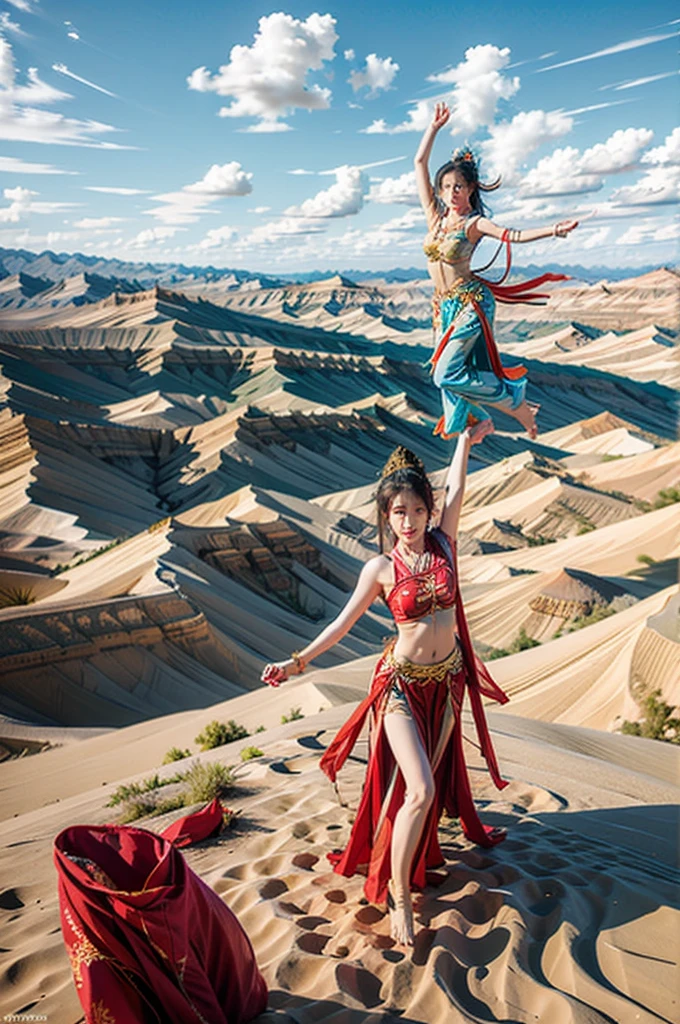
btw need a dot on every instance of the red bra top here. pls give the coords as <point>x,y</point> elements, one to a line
<point>414,596</point>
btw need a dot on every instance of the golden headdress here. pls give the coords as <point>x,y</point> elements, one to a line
<point>402,458</point>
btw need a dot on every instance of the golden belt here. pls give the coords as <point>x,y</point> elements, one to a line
<point>412,672</point>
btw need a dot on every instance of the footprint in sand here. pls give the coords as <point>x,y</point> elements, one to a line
<point>273,888</point>
<point>336,896</point>
<point>9,900</point>
<point>311,942</point>
<point>306,861</point>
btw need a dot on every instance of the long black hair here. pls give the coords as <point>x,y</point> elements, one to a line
<point>465,162</point>
<point>403,471</point>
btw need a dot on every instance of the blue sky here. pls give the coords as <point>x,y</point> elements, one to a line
<point>281,138</point>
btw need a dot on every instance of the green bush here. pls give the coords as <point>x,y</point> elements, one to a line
<point>138,789</point>
<point>669,496</point>
<point>658,721</point>
<point>135,809</point>
<point>293,715</point>
<point>260,728</point>
<point>176,754</point>
<point>599,612</point>
<point>646,560</point>
<point>522,642</point>
<point>216,734</point>
<point>206,781</point>
<point>248,753</point>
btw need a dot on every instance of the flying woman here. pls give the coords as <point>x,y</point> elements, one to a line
<point>466,364</point>
<point>416,767</point>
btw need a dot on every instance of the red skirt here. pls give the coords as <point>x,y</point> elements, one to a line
<point>435,704</point>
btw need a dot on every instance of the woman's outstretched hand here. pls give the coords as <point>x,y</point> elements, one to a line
<point>564,227</point>
<point>440,116</point>
<point>480,431</point>
<point>277,672</point>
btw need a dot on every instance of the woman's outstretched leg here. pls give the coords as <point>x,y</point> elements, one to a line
<point>412,761</point>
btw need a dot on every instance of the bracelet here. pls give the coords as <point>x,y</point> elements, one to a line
<point>300,663</point>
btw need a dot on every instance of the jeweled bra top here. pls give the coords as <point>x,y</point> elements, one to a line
<point>450,246</point>
<point>415,595</point>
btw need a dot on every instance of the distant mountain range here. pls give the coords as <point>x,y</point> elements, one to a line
<point>55,267</point>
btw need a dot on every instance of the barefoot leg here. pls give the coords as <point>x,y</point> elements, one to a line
<point>412,761</point>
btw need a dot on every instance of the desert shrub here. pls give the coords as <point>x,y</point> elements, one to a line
<point>176,754</point>
<point>293,715</point>
<point>135,809</point>
<point>138,789</point>
<point>658,721</point>
<point>646,560</point>
<point>248,753</point>
<point>522,642</point>
<point>171,803</point>
<point>216,734</point>
<point>669,496</point>
<point>260,728</point>
<point>206,781</point>
<point>599,612</point>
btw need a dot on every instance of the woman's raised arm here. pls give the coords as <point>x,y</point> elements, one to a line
<point>365,593</point>
<point>455,478</point>
<point>422,159</point>
<point>483,226</point>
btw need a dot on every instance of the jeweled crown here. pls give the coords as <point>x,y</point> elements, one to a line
<point>402,458</point>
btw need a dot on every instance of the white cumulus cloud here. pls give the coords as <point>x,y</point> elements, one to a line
<point>268,79</point>
<point>478,86</point>
<point>150,236</point>
<point>22,202</point>
<point>474,87</point>
<point>217,237</point>
<point>668,153</point>
<point>344,198</point>
<point>511,142</point>
<point>396,190</point>
<point>188,204</point>
<point>658,185</point>
<point>377,75</point>
<point>223,180</point>
<point>568,172</point>
<point>620,151</point>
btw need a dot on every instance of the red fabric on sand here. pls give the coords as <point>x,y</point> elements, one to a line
<point>160,945</point>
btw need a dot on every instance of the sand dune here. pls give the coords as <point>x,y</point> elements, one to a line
<point>327,956</point>
<point>186,492</point>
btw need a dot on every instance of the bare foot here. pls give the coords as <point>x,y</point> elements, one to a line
<point>401,916</point>
<point>526,415</point>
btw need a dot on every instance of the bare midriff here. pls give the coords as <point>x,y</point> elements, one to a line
<point>448,276</point>
<point>427,640</point>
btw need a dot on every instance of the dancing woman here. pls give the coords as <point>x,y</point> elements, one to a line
<point>416,767</point>
<point>466,364</point>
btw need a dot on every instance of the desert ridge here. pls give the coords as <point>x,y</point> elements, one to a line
<point>187,478</point>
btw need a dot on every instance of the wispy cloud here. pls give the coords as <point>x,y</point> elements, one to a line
<point>633,83</point>
<point>595,106</point>
<point>114,190</point>
<point>630,44</point>
<point>13,27</point>
<point>63,70</point>
<point>13,165</point>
